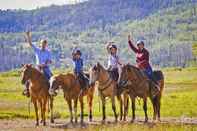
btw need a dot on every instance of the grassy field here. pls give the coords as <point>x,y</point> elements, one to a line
<point>179,98</point>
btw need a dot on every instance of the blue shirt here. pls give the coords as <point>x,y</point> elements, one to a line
<point>78,64</point>
<point>42,56</point>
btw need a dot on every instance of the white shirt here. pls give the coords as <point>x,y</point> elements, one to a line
<point>113,61</point>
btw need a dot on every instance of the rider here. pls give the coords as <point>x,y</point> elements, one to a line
<point>43,59</point>
<point>78,68</point>
<point>142,59</point>
<point>113,60</point>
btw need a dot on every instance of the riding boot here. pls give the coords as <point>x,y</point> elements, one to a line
<point>26,90</point>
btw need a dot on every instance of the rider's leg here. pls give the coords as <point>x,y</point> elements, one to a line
<point>47,72</point>
<point>149,73</point>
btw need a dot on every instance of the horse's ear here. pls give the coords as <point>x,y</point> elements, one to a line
<point>22,65</point>
<point>29,65</point>
<point>128,68</point>
<point>98,64</point>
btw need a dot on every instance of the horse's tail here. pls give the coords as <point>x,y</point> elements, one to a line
<point>159,76</point>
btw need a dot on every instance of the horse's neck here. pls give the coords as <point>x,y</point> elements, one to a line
<point>138,74</point>
<point>104,75</point>
<point>36,75</point>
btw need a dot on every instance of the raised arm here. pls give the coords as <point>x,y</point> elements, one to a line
<point>73,53</point>
<point>131,45</point>
<point>28,38</point>
<point>108,47</point>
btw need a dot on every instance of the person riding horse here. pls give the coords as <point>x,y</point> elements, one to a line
<point>78,68</point>
<point>113,60</point>
<point>43,59</point>
<point>142,59</point>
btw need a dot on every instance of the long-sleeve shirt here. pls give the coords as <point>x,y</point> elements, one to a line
<point>78,65</point>
<point>142,56</point>
<point>42,56</point>
<point>113,61</point>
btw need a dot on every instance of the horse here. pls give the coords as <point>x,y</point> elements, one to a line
<point>38,87</point>
<point>107,87</point>
<point>72,91</point>
<point>137,84</point>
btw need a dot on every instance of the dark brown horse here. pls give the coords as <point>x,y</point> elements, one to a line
<point>137,84</point>
<point>72,92</point>
<point>39,86</point>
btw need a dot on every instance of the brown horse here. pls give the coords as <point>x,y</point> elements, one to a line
<point>72,91</point>
<point>39,86</point>
<point>137,84</point>
<point>107,88</point>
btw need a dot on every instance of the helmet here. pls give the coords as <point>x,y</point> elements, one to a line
<point>78,52</point>
<point>140,42</point>
<point>113,46</point>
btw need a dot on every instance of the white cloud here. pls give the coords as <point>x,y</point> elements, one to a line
<point>31,4</point>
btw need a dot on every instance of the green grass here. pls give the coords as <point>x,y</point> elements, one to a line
<point>181,75</point>
<point>179,98</point>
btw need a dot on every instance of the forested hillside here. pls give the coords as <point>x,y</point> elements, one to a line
<point>79,17</point>
<point>168,28</point>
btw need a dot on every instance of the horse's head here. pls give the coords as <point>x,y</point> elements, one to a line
<point>126,75</point>
<point>55,83</point>
<point>94,73</point>
<point>26,73</point>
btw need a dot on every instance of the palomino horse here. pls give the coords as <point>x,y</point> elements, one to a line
<point>39,86</point>
<point>107,88</point>
<point>72,91</point>
<point>137,84</point>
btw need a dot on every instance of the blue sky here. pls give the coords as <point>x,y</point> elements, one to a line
<point>31,4</point>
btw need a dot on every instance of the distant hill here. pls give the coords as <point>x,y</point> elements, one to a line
<point>80,17</point>
<point>168,29</point>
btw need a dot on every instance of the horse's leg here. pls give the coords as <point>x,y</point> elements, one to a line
<point>36,111</point>
<point>81,105</point>
<point>70,109</point>
<point>114,107</point>
<point>51,108</point>
<point>158,109</point>
<point>75,109</point>
<point>126,105</point>
<point>145,109</point>
<point>90,98</point>
<point>103,107</point>
<point>133,109</point>
<point>44,111</point>
<point>121,104</point>
<point>41,110</point>
<point>154,109</point>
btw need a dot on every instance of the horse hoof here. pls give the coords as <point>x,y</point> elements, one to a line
<point>52,121</point>
<point>44,123</point>
<point>37,124</point>
<point>76,121</point>
<point>132,121</point>
<point>90,120</point>
<point>103,121</point>
<point>146,121</point>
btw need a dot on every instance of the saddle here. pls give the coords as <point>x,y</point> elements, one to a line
<point>83,80</point>
<point>114,74</point>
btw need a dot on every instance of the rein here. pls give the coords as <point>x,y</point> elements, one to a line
<point>106,84</point>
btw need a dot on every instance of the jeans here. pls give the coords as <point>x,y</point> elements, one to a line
<point>47,72</point>
<point>149,72</point>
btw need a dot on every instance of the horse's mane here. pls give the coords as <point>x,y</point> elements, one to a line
<point>137,71</point>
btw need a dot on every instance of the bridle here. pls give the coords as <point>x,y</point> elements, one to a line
<point>105,84</point>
